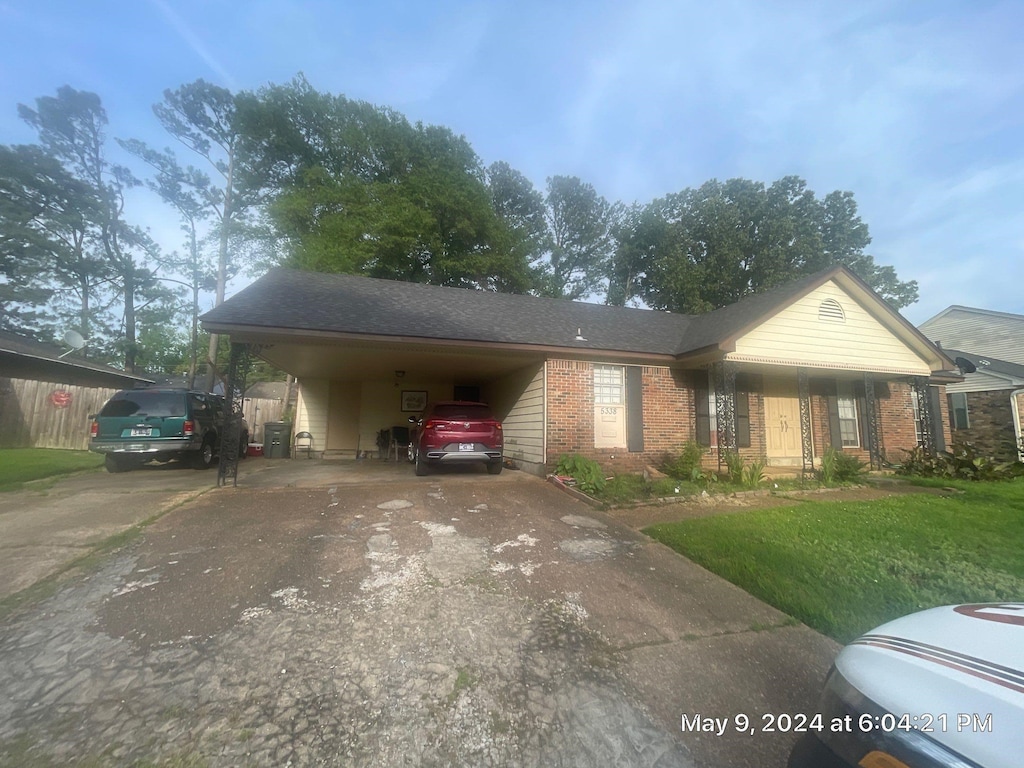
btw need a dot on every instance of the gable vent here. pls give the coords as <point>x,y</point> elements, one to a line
<point>831,311</point>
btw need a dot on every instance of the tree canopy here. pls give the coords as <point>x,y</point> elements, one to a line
<point>700,249</point>
<point>322,182</point>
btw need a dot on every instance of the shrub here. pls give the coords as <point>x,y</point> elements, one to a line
<point>686,464</point>
<point>586,472</point>
<point>963,462</point>
<point>839,467</point>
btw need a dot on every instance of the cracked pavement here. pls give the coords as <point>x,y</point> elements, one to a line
<point>459,619</point>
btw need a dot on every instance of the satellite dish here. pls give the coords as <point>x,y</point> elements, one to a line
<point>74,340</point>
<point>965,365</point>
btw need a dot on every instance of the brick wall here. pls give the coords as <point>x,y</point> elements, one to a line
<point>669,416</point>
<point>990,416</point>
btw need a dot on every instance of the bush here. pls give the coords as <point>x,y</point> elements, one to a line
<point>963,462</point>
<point>839,467</point>
<point>685,465</point>
<point>586,472</point>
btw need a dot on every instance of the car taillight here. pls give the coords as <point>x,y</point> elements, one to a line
<point>94,430</point>
<point>188,428</point>
<point>431,424</point>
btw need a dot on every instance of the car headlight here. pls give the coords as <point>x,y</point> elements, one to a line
<point>864,734</point>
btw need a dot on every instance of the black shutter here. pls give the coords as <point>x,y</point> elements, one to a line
<point>745,384</point>
<point>634,409</point>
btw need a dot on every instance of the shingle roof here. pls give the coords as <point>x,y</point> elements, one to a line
<point>23,357</point>
<point>311,301</point>
<point>318,302</point>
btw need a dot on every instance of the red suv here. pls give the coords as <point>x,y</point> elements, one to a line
<point>454,431</point>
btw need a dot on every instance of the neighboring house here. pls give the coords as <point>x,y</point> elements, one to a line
<point>47,393</point>
<point>987,407</point>
<point>781,375</point>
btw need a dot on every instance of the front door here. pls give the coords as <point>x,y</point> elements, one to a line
<point>609,406</point>
<point>782,422</point>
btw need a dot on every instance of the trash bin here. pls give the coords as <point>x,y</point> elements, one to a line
<point>277,439</point>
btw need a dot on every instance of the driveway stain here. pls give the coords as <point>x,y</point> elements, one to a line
<point>305,639</point>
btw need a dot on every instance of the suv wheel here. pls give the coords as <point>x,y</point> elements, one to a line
<point>204,459</point>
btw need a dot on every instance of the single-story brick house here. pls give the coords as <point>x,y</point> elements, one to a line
<point>781,375</point>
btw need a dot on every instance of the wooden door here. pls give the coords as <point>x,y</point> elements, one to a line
<point>782,421</point>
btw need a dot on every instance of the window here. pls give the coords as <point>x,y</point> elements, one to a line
<point>849,429</point>
<point>608,385</point>
<point>958,410</point>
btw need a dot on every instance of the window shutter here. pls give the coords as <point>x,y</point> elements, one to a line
<point>634,409</point>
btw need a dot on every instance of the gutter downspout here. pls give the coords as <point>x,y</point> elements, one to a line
<point>1016,422</point>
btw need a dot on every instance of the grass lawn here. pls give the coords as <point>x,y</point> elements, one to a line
<point>21,465</point>
<point>843,568</point>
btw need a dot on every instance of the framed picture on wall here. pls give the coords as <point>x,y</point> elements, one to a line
<point>414,400</point>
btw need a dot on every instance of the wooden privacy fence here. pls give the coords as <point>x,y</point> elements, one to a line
<point>45,414</point>
<point>258,411</point>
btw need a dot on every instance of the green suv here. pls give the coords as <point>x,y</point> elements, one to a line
<point>137,425</point>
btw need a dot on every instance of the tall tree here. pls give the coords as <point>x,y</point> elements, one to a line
<point>580,222</point>
<point>50,274</point>
<point>204,118</point>
<point>187,190</point>
<point>521,211</point>
<point>72,130</point>
<point>704,248</point>
<point>357,188</point>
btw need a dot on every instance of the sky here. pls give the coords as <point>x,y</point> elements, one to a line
<point>916,107</point>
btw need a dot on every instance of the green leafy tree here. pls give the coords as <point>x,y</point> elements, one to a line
<point>356,188</point>
<point>72,131</point>
<point>581,225</point>
<point>705,248</point>
<point>50,275</point>
<point>205,119</point>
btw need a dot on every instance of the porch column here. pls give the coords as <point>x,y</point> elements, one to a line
<point>234,395</point>
<point>806,436</point>
<point>924,413</point>
<point>874,441</point>
<point>725,406</point>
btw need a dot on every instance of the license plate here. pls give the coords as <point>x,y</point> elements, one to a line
<point>142,431</point>
<point>467,446</point>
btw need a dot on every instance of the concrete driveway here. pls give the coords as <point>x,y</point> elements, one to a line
<point>321,616</point>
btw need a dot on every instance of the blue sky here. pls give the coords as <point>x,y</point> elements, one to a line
<point>915,107</point>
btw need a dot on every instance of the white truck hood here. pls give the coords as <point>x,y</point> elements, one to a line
<point>959,669</point>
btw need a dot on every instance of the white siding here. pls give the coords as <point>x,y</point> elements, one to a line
<point>984,382</point>
<point>519,400</point>
<point>311,409</point>
<point>979,332</point>
<point>798,336</point>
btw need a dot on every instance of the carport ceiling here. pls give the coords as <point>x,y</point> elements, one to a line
<point>354,360</point>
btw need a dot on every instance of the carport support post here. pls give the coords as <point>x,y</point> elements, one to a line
<point>234,395</point>
<point>806,436</point>
<point>873,436</point>
<point>924,414</point>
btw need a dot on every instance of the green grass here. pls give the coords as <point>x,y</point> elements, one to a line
<point>843,568</point>
<point>23,465</point>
